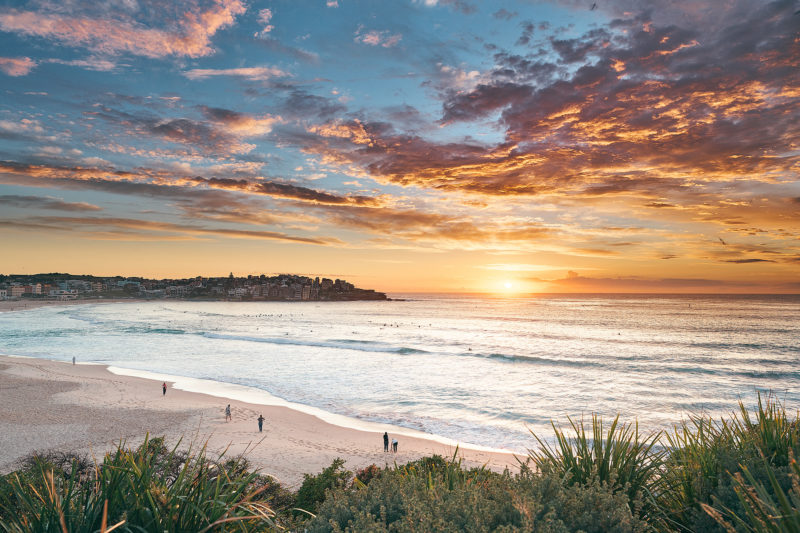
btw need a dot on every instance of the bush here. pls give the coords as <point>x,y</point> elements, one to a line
<point>312,492</point>
<point>147,489</point>
<point>367,474</point>
<point>427,496</point>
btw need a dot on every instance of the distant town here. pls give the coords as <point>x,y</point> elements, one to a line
<point>283,287</point>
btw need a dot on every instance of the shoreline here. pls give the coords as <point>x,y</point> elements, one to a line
<point>256,396</point>
<point>89,407</point>
<point>8,306</point>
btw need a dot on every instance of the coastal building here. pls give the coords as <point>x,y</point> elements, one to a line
<point>3,294</point>
<point>64,294</point>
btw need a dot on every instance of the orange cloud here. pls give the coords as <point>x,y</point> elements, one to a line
<point>17,66</point>
<point>190,37</point>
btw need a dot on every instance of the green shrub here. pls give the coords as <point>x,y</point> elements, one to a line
<point>431,496</point>
<point>549,504</point>
<point>426,495</point>
<point>312,492</point>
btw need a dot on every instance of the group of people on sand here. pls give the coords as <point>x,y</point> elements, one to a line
<point>228,415</point>
<point>386,443</point>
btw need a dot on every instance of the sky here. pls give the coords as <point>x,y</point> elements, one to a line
<point>506,147</point>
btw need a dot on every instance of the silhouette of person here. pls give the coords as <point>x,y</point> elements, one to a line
<point>260,423</point>
<point>385,442</point>
<point>228,413</point>
<point>164,389</point>
<point>394,445</point>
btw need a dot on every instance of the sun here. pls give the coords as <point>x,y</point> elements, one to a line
<point>508,285</point>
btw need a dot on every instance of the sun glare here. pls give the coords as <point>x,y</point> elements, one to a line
<point>508,285</point>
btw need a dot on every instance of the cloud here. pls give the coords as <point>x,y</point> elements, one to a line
<point>156,229</point>
<point>45,202</point>
<point>664,113</point>
<point>221,133</point>
<point>504,14</point>
<point>577,283</point>
<point>189,36</point>
<point>460,5</point>
<point>250,73</point>
<point>296,53</point>
<point>17,66</point>
<point>264,16</point>
<point>92,63</point>
<point>215,140</point>
<point>747,261</point>
<point>285,190</point>
<point>457,5</point>
<point>154,183</point>
<point>241,123</point>
<point>377,38</point>
<point>302,105</point>
<point>444,231</point>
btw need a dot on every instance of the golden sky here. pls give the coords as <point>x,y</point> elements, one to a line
<point>504,147</point>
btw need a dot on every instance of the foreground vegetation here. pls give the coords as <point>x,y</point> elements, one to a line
<point>734,474</point>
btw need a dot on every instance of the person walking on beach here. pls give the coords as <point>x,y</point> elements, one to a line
<point>394,445</point>
<point>260,423</point>
<point>73,360</point>
<point>228,413</point>
<point>164,389</point>
<point>385,442</point>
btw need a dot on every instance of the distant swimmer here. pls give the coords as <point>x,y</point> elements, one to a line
<point>228,413</point>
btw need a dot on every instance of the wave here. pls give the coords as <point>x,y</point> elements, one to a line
<point>149,329</point>
<point>531,359</point>
<point>748,346</point>
<point>347,344</point>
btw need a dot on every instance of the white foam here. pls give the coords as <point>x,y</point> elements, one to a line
<point>257,396</point>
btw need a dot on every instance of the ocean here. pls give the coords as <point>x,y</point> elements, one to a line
<point>483,371</point>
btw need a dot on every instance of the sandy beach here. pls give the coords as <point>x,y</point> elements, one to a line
<point>49,405</point>
<point>29,303</point>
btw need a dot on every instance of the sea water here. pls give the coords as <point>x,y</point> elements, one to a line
<point>484,371</point>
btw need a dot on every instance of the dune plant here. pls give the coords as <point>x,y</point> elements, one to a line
<point>146,489</point>
<point>706,458</point>
<point>619,456</point>
<point>767,508</point>
<point>699,450</point>
<point>769,432</point>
